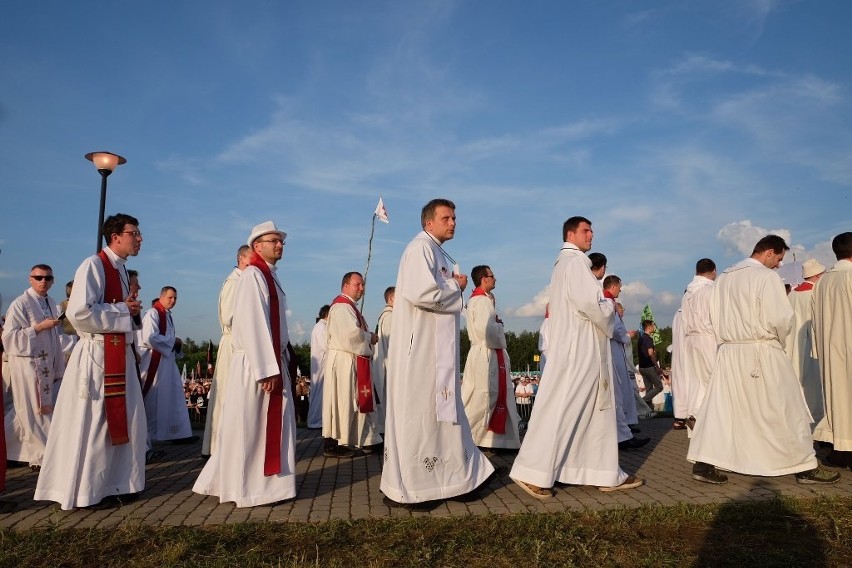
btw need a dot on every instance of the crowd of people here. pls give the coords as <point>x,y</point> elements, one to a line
<point>396,389</point>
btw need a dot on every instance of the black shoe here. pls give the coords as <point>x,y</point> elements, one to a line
<point>189,440</point>
<point>374,449</point>
<point>708,474</point>
<point>634,429</point>
<point>339,452</point>
<point>153,455</point>
<point>690,422</point>
<point>424,506</point>
<point>817,475</point>
<point>679,424</point>
<point>633,443</point>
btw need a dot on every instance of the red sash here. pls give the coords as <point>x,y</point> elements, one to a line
<point>363,365</point>
<point>500,414</point>
<point>275,410</point>
<point>804,287</point>
<point>155,355</point>
<point>115,380</point>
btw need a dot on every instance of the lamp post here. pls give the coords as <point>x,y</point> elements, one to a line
<point>106,163</point>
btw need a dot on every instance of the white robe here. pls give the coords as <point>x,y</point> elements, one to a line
<point>81,466</point>
<point>800,349</point>
<point>235,471</point>
<point>832,337</point>
<point>36,364</point>
<point>319,346</point>
<point>754,419</point>
<point>622,381</point>
<point>223,363</point>
<point>571,437</point>
<point>380,364</point>
<point>426,458</point>
<point>340,418</point>
<point>165,402</point>
<point>481,375</point>
<point>680,384</point>
<point>543,344</point>
<point>699,341</point>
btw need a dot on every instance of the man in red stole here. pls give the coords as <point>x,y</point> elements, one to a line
<point>348,417</point>
<point>487,372</point>
<point>96,445</point>
<point>255,460</point>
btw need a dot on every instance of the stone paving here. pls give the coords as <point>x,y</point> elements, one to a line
<point>349,489</point>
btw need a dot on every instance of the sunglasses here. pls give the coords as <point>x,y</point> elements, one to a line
<point>39,278</point>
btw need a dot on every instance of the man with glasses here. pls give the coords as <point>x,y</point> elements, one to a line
<point>36,364</point>
<point>96,447</point>
<point>255,461</point>
<point>487,372</point>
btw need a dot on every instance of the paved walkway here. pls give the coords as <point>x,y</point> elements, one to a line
<point>349,489</point>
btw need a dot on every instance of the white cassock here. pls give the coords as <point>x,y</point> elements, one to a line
<point>543,343</point>
<point>680,384</point>
<point>223,363</point>
<point>479,388</point>
<point>429,450</point>
<point>380,364</point>
<point>319,346</point>
<point>36,364</point>
<point>340,418</point>
<point>81,465</point>
<point>832,335</point>
<point>800,349</point>
<point>754,419</point>
<point>622,381</point>
<point>699,341</point>
<point>571,437</point>
<point>235,471</point>
<point>165,402</point>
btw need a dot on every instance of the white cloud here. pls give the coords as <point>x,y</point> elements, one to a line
<point>741,236</point>
<point>535,308</point>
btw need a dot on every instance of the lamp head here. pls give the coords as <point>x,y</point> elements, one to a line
<point>105,162</point>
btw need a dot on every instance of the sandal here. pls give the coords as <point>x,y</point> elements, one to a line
<point>534,490</point>
<point>630,483</point>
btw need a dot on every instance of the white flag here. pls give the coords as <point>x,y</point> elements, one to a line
<point>381,212</point>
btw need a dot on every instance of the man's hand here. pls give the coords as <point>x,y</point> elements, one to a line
<point>134,305</point>
<point>46,323</point>
<point>269,383</point>
<point>462,280</point>
<point>374,338</point>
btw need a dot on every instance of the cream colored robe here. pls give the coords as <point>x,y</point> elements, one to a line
<point>380,363</point>
<point>800,349</point>
<point>319,346</point>
<point>699,341</point>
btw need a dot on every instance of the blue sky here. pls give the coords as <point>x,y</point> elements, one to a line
<point>682,129</point>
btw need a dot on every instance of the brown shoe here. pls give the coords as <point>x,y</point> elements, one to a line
<point>534,490</point>
<point>631,482</point>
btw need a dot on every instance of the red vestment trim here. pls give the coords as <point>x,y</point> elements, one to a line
<point>363,365</point>
<point>275,410</point>
<point>115,364</point>
<point>497,422</point>
<point>804,287</point>
<point>155,355</point>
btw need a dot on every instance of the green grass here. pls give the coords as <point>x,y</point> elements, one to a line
<point>782,532</point>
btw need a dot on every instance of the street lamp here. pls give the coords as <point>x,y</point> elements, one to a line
<point>105,162</point>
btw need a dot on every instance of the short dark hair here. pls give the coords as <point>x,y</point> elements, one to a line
<point>571,224</point>
<point>647,323</point>
<point>704,266</point>
<point>598,260</point>
<point>770,242</point>
<point>389,291</point>
<point>611,280</point>
<point>428,212</point>
<point>323,312</point>
<point>478,273</point>
<point>165,289</point>
<point>41,267</point>
<point>347,277</point>
<point>69,285</point>
<point>842,245</point>
<point>132,273</point>
<point>244,249</point>
<point>114,225</point>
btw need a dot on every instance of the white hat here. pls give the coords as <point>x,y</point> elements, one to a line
<point>812,267</point>
<point>264,228</point>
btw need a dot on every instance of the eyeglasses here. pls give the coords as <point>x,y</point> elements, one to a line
<point>40,277</point>
<point>273,241</point>
<point>133,234</point>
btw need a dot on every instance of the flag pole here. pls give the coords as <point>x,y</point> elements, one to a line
<point>369,254</point>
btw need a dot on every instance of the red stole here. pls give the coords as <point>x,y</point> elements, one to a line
<point>155,355</point>
<point>500,415</point>
<point>608,294</point>
<point>275,410</point>
<point>804,287</point>
<point>115,368</point>
<point>363,365</point>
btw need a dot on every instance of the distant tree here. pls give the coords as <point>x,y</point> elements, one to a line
<point>303,357</point>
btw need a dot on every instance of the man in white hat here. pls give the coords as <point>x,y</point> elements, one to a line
<point>832,312</point>
<point>800,341</point>
<point>254,462</point>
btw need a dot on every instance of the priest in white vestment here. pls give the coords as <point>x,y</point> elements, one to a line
<point>319,346</point>
<point>699,343</point>
<point>832,312</point>
<point>571,437</point>
<point>542,341</point>
<point>679,384</point>
<point>800,343</point>
<point>36,363</point>
<point>753,419</point>
<point>162,386</point>
<point>93,450</point>
<point>255,460</point>
<point>429,450</point>
<point>348,417</point>
<point>223,353</point>
<point>487,387</point>
<point>380,356</point>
